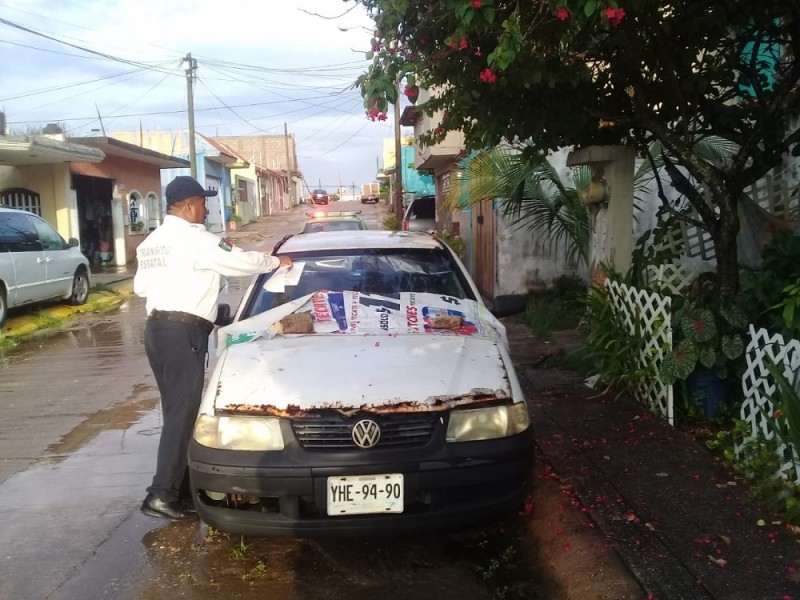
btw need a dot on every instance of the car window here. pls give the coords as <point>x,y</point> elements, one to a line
<point>382,272</point>
<point>17,233</point>
<point>332,226</point>
<point>423,208</point>
<point>49,237</point>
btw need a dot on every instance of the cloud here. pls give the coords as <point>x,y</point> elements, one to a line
<point>259,65</point>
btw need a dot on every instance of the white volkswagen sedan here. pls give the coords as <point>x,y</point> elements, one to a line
<point>367,389</point>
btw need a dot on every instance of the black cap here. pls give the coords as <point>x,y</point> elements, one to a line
<point>183,187</point>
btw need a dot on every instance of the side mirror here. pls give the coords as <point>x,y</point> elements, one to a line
<point>73,242</point>
<point>224,316</point>
<point>505,306</point>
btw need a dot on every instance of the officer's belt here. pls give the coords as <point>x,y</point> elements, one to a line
<point>177,316</point>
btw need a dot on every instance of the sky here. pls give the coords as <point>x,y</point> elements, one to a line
<point>260,64</point>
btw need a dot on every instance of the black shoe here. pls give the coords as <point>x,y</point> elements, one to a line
<point>153,506</point>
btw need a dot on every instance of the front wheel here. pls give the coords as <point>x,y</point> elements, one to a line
<point>3,307</point>
<point>80,288</point>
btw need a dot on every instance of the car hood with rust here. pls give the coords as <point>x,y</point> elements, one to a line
<point>293,374</point>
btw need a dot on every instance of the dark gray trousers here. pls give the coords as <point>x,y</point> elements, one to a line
<point>177,355</point>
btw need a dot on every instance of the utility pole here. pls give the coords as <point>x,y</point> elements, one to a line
<point>289,186</point>
<point>190,77</point>
<point>398,159</point>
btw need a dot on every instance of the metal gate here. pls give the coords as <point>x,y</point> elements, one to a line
<point>23,199</point>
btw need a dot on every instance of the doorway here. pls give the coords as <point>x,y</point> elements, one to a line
<point>93,196</point>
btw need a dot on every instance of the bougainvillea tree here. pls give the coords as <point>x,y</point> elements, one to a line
<point>552,73</point>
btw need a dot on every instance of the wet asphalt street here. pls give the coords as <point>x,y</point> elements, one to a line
<point>78,437</point>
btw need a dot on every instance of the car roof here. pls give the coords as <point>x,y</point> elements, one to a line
<point>358,240</point>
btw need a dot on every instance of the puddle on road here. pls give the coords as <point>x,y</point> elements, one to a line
<point>118,416</point>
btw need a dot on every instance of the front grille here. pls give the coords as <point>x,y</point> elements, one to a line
<point>334,432</point>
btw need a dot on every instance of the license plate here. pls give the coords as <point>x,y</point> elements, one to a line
<point>365,494</point>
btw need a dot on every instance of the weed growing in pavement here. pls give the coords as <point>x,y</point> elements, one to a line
<point>239,550</point>
<point>43,321</point>
<point>215,535</point>
<point>390,222</point>
<point>555,308</point>
<point>7,343</point>
<point>258,570</point>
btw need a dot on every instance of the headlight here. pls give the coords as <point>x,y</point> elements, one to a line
<point>238,433</point>
<point>487,423</point>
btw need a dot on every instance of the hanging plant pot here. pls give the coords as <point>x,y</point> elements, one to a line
<point>594,193</point>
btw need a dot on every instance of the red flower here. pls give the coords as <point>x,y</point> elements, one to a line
<point>562,13</point>
<point>475,3</point>
<point>412,91</point>
<point>463,43</point>
<point>488,76</point>
<point>478,52</point>
<point>438,131</point>
<point>777,414</point>
<point>614,15</point>
<point>376,47</point>
<point>374,114</point>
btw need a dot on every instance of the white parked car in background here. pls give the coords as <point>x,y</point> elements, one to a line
<point>367,389</point>
<point>36,264</point>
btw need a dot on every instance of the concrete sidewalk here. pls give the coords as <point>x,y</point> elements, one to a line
<point>679,518</point>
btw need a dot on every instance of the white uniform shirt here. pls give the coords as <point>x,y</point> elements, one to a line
<point>180,264</point>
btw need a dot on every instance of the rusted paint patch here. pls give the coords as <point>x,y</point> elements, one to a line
<point>434,404</point>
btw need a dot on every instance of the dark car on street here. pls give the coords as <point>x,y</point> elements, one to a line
<point>319,197</point>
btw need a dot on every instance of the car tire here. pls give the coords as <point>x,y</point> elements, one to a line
<point>3,307</point>
<point>80,288</point>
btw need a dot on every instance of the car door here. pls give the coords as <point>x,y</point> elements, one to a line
<point>59,259</point>
<point>29,270</point>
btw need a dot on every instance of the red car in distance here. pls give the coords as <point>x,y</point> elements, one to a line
<point>319,197</point>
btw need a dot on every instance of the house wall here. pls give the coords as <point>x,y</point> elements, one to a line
<point>52,183</point>
<point>126,176</point>
<point>266,150</point>
<point>526,262</point>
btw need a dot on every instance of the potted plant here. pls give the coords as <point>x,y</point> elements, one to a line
<point>233,222</point>
<point>708,333</point>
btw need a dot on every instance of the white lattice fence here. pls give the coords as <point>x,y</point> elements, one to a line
<point>673,280</point>
<point>649,314</point>
<point>759,387</point>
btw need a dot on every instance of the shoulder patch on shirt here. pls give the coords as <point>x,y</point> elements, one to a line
<point>226,245</point>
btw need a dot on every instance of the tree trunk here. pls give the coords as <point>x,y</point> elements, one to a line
<point>724,236</point>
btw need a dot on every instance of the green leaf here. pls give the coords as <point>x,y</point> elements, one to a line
<point>732,345</point>
<point>708,357</point>
<point>590,7</point>
<point>489,14</point>
<point>468,17</point>
<point>698,325</point>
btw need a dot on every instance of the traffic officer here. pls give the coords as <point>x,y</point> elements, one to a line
<point>178,272</point>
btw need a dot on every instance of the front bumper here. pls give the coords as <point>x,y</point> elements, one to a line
<point>445,486</point>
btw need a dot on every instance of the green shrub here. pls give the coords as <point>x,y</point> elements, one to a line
<point>456,242</point>
<point>391,223</point>
<point>556,308</point>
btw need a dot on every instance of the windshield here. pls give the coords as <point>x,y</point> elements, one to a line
<point>383,272</point>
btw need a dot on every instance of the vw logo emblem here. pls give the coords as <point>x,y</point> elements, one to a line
<point>366,433</point>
